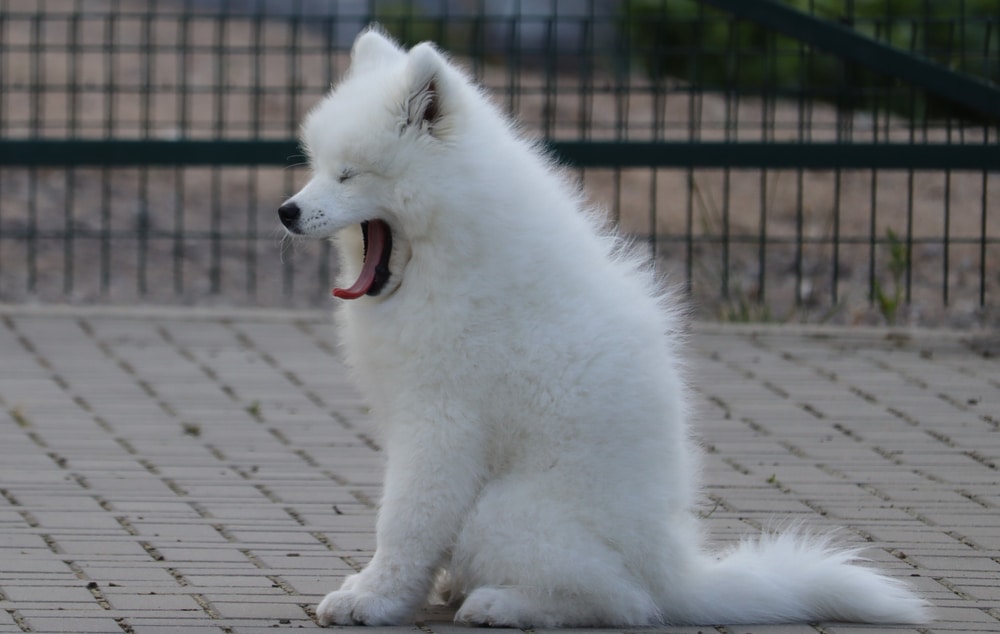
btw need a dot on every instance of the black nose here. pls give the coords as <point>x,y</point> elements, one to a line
<point>289,214</point>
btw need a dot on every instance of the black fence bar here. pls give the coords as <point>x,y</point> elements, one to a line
<point>590,154</point>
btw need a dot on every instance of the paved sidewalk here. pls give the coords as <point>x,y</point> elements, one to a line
<point>175,470</point>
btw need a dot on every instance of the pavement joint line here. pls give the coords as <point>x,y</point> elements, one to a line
<point>363,497</point>
<point>29,518</point>
<point>145,463</point>
<point>151,550</point>
<point>206,606</point>
<point>251,557</point>
<point>283,439</point>
<point>268,493</point>
<point>19,620</point>
<point>52,544</point>
<point>225,533</point>
<point>9,497</point>
<point>124,625</point>
<point>737,466</point>
<point>754,425</point>
<point>868,396</point>
<point>221,457</point>
<point>35,438</point>
<point>321,343</point>
<point>981,459</point>
<point>178,577</point>
<point>903,416</point>
<point>95,591</point>
<point>795,450</point>
<point>775,389</point>
<point>124,522</point>
<point>281,583</point>
<point>178,490</point>
<point>292,513</point>
<point>200,509</point>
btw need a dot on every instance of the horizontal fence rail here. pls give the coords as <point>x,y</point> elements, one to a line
<point>782,160</point>
<point>580,154</point>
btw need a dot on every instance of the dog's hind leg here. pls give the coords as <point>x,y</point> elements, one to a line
<point>522,560</point>
<point>527,607</point>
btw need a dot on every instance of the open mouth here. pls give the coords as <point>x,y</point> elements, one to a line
<point>375,268</point>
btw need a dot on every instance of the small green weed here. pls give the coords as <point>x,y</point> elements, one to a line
<point>254,410</point>
<point>889,300</point>
<point>743,309</point>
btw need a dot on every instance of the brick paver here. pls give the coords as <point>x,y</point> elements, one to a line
<point>176,470</point>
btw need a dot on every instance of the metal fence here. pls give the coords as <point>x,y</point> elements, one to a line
<point>808,159</point>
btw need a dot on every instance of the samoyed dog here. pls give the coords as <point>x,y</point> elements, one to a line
<point>525,368</point>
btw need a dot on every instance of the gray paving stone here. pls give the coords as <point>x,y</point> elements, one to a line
<point>209,471</point>
<point>257,608</point>
<point>152,601</point>
<point>101,624</point>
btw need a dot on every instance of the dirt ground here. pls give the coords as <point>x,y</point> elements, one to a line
<point>816,244</point>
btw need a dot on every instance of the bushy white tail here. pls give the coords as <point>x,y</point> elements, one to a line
<point>796,577</point>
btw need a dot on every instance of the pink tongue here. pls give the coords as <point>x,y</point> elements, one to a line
<point>377,231</point>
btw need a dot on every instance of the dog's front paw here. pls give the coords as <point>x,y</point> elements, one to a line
<point>354,607</point>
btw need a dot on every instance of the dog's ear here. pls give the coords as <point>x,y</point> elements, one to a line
<point>373,46</point>
<point>426,97</point>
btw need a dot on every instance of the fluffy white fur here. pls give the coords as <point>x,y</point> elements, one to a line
<point>525,369</point>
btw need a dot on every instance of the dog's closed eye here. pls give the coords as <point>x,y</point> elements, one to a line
<point>346,174</point>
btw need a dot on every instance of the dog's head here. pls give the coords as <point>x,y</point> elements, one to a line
<point>376,145</point>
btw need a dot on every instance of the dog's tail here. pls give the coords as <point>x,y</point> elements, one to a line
<point>795,577</point>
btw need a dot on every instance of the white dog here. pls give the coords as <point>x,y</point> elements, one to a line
<point>524,366</point>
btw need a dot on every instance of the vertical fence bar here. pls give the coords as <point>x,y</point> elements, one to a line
<point>288,266</point>
<point>550,85</point>
<point>477,39</point>
<point>35,98</point>
<point>72,116</point>
<point>799,236</point>
<point>32,230</point>
<point>109,91</point>
<point>184,97</point>
<point>758,296</point>
<point>909,237</point>
<point>219,131</point>
<point>143,216</point>
<point>4,115</point>
<point>5,54</point>
<point>142,221</point>
<point>946,239</point>
<point>256,106</point>
<point>983,240</point>
<point>873,239</point>
<point>658,123</point>
<point>585,57</point>
<point>835,272</point>
<point>513,59</point>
